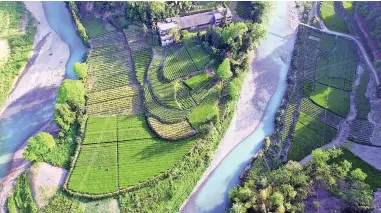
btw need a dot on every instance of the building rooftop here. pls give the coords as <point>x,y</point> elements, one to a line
<point>166,26</point>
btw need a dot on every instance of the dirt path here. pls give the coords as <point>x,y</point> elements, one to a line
<point>36,87</point>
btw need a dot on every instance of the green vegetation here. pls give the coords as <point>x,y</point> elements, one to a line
<point>173,131</point>
<point>100,129</point>
<point>286,188</point>
<point>308,135</point>
<point>234,88</point>
<point>39,146</point>
<point>257,11</point>
<point>20,43</point>
<point>197,80</point>
<point>371,19</point>
<point>333,99</point>
<point>61,202</point>
<point>96,169</point>
<point>133,128</point>
<point>71,92</point>
<point>348,6</point>
<point>373,174</point>
<point>224,71</point>
<point>94,27</point>
<point>331,18</point>
<point>148,158</point>
<point>80,70</point>
<point>206,111</point>
<point>195,49</point>
<point>21,201</point>
<point>178,63</point>
<point>81,31</point>
<point>362,102</point>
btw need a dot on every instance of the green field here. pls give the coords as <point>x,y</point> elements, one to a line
<point>96,169</point>
<point>94,27</point>
<point>362,102</point>
<point>197,80</point>
<point>144,159</point>
<point>333,99</point>
<point>332,19</point>
<point>178,63</point>
<point>309,134</point>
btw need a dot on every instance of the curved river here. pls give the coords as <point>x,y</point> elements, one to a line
<point>18,127</point>
<point>213,194</point>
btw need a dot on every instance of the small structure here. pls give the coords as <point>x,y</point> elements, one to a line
<point>192,22</point>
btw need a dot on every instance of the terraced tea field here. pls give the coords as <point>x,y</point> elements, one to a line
<point>144,107</point>
<point>325,71</point>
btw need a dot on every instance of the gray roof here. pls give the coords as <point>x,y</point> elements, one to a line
<point>196,20</point>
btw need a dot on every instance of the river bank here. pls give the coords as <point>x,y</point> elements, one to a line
<point>30,106</point>
<point>260,85</point>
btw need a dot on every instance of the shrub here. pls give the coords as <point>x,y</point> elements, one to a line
<point>38,146</point>
<point>64,116</point>
<point>21,201</point>
<point>72,92</point>
<point>234,89</point>
<point>80,70</point>
<point>224,71</point>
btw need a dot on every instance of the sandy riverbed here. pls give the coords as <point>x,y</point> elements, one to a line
<point>36,86</point>
<point>260,84</point>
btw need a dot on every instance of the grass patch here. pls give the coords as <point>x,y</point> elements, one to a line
<point>206,111</point>
<point>333,20</point>
<point>374,174</point>
<point>333,99</point>
<point>100,129</point>
<point>197,80</point>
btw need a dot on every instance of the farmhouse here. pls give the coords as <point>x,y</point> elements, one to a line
<point>192,22</point>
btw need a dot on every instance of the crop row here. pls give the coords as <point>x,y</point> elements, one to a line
<point>133,33</point>
<point>202,91</point>
<point>173,131</point>
<point>288,119</point>
<point>178,63</point>
<point>165,114</point>
<point>133,128</point>
<point>199,55</point>
<point>361,131</point>
<point>320,113</point>
<point>165,91</point>
<point>96,169</point>
<point>110,94</point>
<point>142,54</point>
<point>114,107</point>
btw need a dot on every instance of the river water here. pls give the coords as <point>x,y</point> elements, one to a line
<point>60,20</point>
<point>274,53</point>
<point>15,128</point>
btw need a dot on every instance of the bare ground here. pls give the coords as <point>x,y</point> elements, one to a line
<point>377,201</point>
<point>327,202</point>
<point>36,87</point>
<point>45,181</point>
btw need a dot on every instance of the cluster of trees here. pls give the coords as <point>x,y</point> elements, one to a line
<point>80,70</point>
<point>81,31</point>
<point>39,146</point>
<point>70,103</point>
<point>286,188</point>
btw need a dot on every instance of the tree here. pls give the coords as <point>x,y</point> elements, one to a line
<point>38,146</point>
<point>224,71</point>
<point>80,70</point>
<point>277,199</point>
<point>174,32</point>
<point>145,29</point>
<point>234,89</point>
<point>72,92</point>
<point>358,175</point>
<point>238,208</point>
<point>64,116</point>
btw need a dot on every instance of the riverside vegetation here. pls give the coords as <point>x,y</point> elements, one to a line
<point>143,121</point>
<point>17,30</point>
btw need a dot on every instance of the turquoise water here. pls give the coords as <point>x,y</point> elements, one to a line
<point>60,20</point>
<point>17,127</point>
<point>213,194</point>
